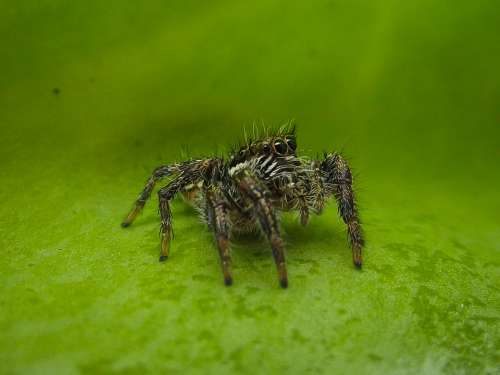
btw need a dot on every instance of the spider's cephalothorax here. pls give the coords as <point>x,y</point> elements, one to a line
<point>248,190</point>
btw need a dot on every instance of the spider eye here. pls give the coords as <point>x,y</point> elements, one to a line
<point>280,147</point>
<point>292,144</point>
<point>266,148</point>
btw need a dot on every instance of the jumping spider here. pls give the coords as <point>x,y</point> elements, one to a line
<point>247,191</point>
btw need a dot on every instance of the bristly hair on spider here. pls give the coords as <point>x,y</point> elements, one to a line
<point>247,190</point>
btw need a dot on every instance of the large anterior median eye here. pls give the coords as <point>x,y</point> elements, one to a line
<point>292,144</point>
<point>280,147</point>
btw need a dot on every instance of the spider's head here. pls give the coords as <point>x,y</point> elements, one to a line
<point>280,143</point>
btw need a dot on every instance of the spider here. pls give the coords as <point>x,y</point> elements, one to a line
<point>247,191</point>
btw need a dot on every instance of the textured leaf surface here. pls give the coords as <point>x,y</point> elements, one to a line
<point>94,95</point>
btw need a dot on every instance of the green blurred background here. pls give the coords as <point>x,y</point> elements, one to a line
<point>95,94</point>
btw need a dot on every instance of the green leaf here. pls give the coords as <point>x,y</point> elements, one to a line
<point>94,95</point>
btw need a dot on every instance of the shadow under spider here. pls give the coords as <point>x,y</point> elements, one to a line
<point>323,234</point>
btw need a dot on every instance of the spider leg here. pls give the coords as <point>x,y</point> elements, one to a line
<point>157,174</point>
<point>190,172</point>
<point>258,193</point>
<point>190,193</point>
<point>219,222</point>
<point>303,212</point>
<point>165,195</point>
<point>339,180</point>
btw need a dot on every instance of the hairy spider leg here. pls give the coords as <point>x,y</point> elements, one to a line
<point>218,219</point>
<point>258,193</point>
<point>165,195</point>
<point>158,174</point>
<point>341,178</point>
<point>190,193</point>
<point>190,172</point>
<point>303,211</point>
